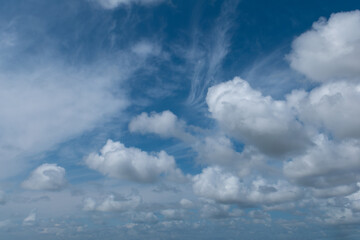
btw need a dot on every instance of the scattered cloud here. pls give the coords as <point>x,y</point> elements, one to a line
<point>165,124</point>
<point>112,4</point>
<point>47,177</point>
<point>118,161</point>
<point>112,204</point>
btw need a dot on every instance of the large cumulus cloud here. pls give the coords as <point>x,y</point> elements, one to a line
<point>252,118</point>
<point>330,50</point>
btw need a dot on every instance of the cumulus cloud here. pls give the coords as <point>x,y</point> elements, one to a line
<point>111,4</point>
<point>330,168</point>
<point>332,106</point>
<point>225,187</point>
<point>165,124</point>
<point>252,118</point>
<point>330,50</point>
<point>118,161</point>
<point>49,177</point>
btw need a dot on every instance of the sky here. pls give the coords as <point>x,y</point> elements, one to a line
<point>170,119</point>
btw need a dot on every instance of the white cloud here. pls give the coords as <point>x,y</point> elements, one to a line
<point>225,187</point>
<point>173,214</point>
<point>30,219</point>
<point>332,106</point>
<point>330,168</point>
<point>112,204</point>
<point>330,50</point>
<point>165,124</point>
<point>118,161</point>
<point>186,203</point>
<point>46,177</point>
<point>254,119</point>
<point>111,4</point>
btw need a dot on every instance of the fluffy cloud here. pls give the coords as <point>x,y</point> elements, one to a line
<point>118,161</point>
<point>330,50</point>
<point>111,4</point>
<point>46,177</point>
<point>225,187</point>
<point>332,106</point>
<point>165,124</point>
<point>255,119</point>
<point>330,168</point>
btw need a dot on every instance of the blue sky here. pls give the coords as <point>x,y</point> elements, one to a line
<point>165,119</point>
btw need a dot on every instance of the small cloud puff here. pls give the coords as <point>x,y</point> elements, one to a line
<point>165,124</point>
<point>48,177</point>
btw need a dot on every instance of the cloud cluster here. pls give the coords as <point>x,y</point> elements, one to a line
<point>48,177</point>
<point>330,50</point>
<point>328,167</point>
<point>225,187</point>
<point>332,107</point>
<point>116,160</point>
